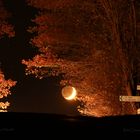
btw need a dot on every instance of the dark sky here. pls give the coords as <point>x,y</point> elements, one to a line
<point>30,94</point>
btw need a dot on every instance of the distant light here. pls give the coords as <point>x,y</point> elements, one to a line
<point>69,92</point>
<point>3,110</point>
<point>138,111</point>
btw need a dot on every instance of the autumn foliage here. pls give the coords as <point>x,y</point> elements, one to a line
<point>90,44</point>
<point>5,85</point>
<point>5,27</point>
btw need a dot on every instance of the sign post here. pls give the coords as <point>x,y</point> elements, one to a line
<point>138,87</point>
<point>129,98</point>
<point>123,98</point>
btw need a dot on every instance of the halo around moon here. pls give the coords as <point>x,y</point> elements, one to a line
<point>69,92</point>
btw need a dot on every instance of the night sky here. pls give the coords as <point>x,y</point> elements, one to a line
<point>29,94</point>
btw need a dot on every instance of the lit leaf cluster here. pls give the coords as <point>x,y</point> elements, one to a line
<point>5,86</point>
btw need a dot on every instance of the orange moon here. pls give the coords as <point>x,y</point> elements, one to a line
<point>69,92</point>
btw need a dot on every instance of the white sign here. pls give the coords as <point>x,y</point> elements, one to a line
<point>138,87</point>
<point>138,111</point>
<point>129,98</point>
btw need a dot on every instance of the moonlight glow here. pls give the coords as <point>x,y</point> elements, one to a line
<point>69,93</point>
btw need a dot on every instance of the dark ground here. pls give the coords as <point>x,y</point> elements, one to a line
<point>62,126</point>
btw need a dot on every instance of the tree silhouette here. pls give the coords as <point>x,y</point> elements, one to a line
<point>5,85</point>
<point>92,46</point>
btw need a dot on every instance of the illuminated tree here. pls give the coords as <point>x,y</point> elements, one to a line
<point>5,27</point>
<point>5,85</point>
<point>90,44</point>
<point>137,63</point>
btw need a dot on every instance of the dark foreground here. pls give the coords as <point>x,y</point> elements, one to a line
<point>51,125</point>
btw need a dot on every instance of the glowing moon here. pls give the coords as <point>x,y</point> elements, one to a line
<point>69,93</point>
